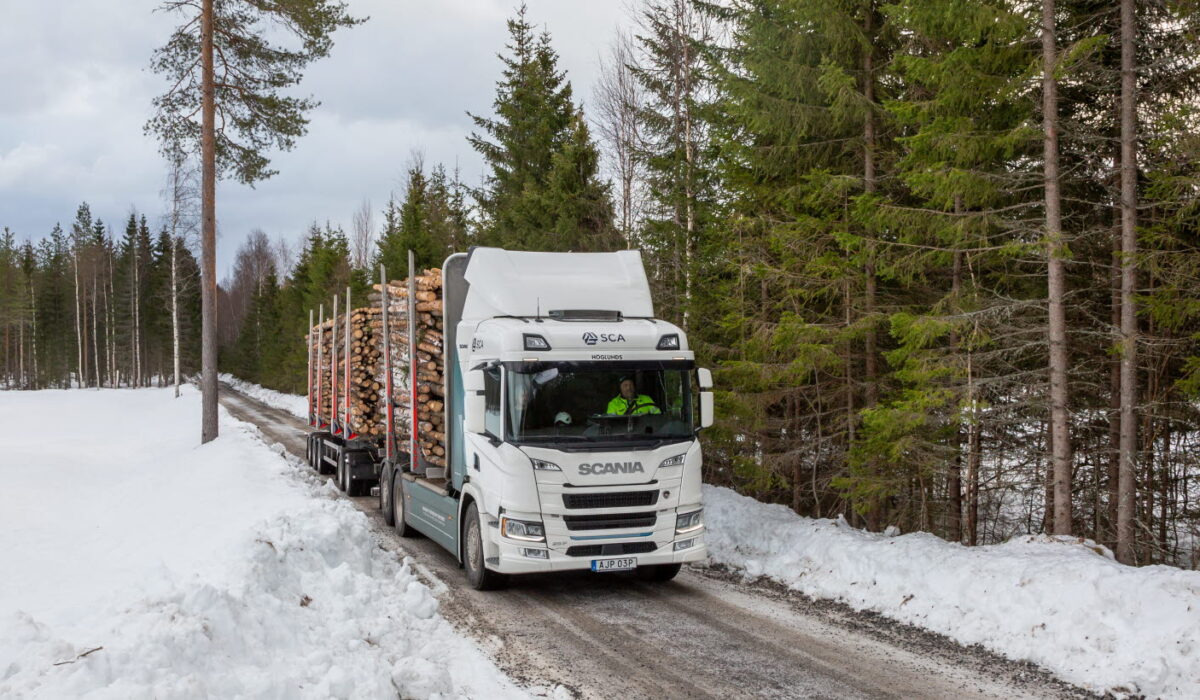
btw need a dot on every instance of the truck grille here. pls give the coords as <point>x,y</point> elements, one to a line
<point>612,520</point>
<point>599,550</point>
<point>616,499</point>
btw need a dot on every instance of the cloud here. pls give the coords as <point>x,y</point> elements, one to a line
<point>77,93</point>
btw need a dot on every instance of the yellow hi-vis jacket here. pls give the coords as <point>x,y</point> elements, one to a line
<point>622,406</point>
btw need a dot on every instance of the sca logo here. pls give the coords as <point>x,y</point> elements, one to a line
<point>590,338</point>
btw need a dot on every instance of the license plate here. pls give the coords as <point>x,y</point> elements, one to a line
<point>623,564</point>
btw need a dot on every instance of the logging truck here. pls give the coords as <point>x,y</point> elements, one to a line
<point>524,410</point>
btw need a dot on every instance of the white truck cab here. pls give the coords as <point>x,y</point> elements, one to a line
<point>573,418</point>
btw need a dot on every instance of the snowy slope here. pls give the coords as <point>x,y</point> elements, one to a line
<point>1061,603</point>
<point>221,570</point>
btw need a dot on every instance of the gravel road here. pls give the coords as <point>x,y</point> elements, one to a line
<point>705,634</point>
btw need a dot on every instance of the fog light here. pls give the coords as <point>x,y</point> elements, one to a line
<point>535,553</point>
<point>684,544</point>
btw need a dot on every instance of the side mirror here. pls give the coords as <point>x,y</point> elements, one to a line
<point>704,377</point>
<point>473,413</point>
<point>706,409</point>
<point>475,403</point>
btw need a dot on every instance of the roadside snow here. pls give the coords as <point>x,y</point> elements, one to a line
<point>1061,603</point>
<point>292,403</point>
<point>222,570</point>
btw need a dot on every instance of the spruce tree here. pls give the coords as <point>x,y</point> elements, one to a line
<point>541,190</point>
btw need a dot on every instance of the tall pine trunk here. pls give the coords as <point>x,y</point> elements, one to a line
<point>208,229</point>
<point>1056,282</point>
<point>1127,461</point>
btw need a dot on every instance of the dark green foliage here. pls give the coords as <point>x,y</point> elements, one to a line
<point>542,191</point>
<point>254,76</point>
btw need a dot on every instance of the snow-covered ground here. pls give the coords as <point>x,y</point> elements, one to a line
<point>293,404</point>
<point>1062,603</point>
<point>136,563</point>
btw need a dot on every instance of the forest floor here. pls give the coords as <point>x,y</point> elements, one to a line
<point>710,633</point>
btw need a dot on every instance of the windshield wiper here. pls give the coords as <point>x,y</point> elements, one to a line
<point>555,438</point>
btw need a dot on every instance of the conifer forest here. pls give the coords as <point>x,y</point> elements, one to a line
<point>942,255</point>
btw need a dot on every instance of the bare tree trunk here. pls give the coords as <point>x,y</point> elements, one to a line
<point>175,308</point>
<point>1114,397</point>
<point>78,321</point>
<point>96,329</point>
<point>1127,460</point>
<point>208,236</point>
<point>137,320</point>
<point>974,461</point>
<point>869,187</point>
<point>33,334</point>
<point>1056,283</point>
<point>21,383</point>
<point>110,332</point>
<point>954,478</point>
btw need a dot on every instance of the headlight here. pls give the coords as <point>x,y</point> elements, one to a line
<point>673,461</point>
<point>669,341</point>
<point>535,342</point>
<point>522,530</point>
<point>544,466</point>
<point>688,522</point>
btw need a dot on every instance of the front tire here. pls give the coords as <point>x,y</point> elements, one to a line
<point>479,576</point>
<point>658,573</point>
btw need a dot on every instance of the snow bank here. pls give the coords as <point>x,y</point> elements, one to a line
<point>292,403</point>
<point>222,570</point>
<point>1061,603</point>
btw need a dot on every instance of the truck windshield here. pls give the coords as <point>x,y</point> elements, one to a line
<point>569,402</point>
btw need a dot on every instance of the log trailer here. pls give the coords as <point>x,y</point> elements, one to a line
<point>569,417</point>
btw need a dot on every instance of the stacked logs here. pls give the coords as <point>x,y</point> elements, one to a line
<point>365,389</point>
<point>430,369</point>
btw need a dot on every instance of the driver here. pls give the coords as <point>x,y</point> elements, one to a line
<point>631,403</point>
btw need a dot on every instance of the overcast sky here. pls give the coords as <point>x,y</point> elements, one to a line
<point>75,93</point>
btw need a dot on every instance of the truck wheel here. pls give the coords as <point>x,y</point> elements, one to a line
<point>319,453</point>
<point>385,495</point>
<point>340,474</point>
<point>402,528</point>
<point>659,573</point>
<point>478,575</point>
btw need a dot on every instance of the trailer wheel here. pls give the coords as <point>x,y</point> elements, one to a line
<point>402,528</point>
<point>343,472</point>
<point>385,495</point>
<point>479,576</point>
<point>659,573</point>
<point>319,453</point>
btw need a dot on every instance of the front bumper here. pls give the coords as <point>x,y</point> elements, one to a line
<point>513,560</point>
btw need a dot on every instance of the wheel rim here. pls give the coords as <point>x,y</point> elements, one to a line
<point>385,496</point>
